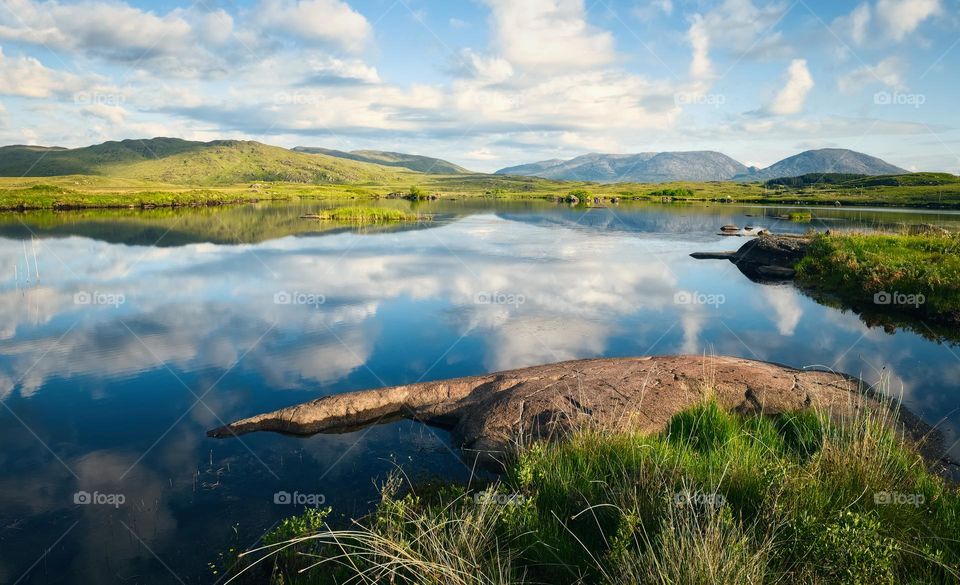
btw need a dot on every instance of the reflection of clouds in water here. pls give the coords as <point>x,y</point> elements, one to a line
<point>785,304</point>
<point>204,305</point>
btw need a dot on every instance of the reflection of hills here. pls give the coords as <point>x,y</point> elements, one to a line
<point>685,223</point>
<point>180,227</point>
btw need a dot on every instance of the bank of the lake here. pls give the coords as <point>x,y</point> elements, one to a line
<point>82,191</point>
<point>717,497</point>
<point>915,274</point>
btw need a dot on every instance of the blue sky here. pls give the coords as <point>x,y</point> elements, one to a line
<point>490,83</point>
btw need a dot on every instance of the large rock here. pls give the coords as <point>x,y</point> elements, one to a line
<point>766,257</point>
<point>493,412</point>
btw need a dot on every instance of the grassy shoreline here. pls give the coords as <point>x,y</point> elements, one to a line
<point>90,192</point>
<point>912,274</point>
<point>717,498</point>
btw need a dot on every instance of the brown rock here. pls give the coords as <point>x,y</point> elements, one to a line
<point>493,412</point>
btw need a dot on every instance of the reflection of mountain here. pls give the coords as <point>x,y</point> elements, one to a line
<point>247,224</point>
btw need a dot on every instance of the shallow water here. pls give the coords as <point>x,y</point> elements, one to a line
<point>125,336</point>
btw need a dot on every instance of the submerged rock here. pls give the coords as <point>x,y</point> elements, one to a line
<point>494,412</point>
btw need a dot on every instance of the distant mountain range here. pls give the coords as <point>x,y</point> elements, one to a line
<point>645,167</point>
<point>664,167</point>
<point>414,162</point>
<point>176,161</point>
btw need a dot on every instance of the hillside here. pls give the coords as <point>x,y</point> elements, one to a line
<point>413,162</point>
<point>175,161</point>
<point>646,167</point>
<point>827,160</point>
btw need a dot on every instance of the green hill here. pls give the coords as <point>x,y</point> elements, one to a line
<point>175,161</point>
<point>413,162</point>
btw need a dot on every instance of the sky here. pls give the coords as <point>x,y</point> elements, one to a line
<point>491,83</point>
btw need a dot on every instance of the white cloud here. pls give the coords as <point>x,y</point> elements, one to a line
<point>699,37</point>
<point>322,21</point>
<point>889,72</point>
<point>28,77</point>
<point>902,17</point>
<point>856,24</point>
<point>792,97</point>
<point>653,8</point>
<point>745,29</point>
<point>549,35</point>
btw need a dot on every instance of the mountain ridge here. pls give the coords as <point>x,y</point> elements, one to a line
<point>703,165</point>
<point>413,162</point>
<point>178,161</point>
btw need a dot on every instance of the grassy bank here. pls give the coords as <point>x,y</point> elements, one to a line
<point>366,214</point>
<point>85,191</point>
<point>717,498</point>
<point>915,274</point>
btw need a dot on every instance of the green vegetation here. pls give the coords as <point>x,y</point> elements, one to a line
<point>718,498</point>
<point>800,216</point>
<point>677,192</point>
<point>812,179</point>
<point>360,214</point>
<point>917,273</point>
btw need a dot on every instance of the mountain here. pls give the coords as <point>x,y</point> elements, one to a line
<point>414,162</point>
<point>644,167</point>
<point>827,160</point>
<point>172,160</point>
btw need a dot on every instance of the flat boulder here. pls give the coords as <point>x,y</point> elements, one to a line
<point>494,412</point>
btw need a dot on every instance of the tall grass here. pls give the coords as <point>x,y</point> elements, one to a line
<point>717,498</point>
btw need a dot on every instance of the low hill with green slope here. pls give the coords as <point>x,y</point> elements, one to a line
<point>175,161</point>
<point>413,162</point>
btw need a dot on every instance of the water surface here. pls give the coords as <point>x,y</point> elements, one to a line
<point>125,336</point>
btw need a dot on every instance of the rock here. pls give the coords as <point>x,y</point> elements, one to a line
<point>572,199</point>
<point>614,200</point>
<point>493,412</point>
<point>729,228</point>
<point>776,255</point>
<point>780,272</point>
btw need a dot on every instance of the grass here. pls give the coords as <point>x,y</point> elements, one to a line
<point>800,216</point>
<point>717,498</point>
<point>916,274</point>
<point>226,174</point>
<point>361,214</point>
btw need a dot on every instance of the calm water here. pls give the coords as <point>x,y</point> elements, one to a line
<point>125,336</point>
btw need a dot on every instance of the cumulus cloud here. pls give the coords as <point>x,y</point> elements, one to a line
<point>28,77</point>
<point>317,21</point>
<point>855,25</point>
<point>746,29</point>
<point>549,35</point>
<point>792,97</point>
<point>699,37</point>
<point>901,17</point>
<point>888,72</point>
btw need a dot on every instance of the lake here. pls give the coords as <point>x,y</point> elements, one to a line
<point>126,335</point>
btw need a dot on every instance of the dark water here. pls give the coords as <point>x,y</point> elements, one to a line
<point>125,336</point>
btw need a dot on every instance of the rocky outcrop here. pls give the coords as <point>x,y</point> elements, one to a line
<point>492,413</point>
<point>767,257</point>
